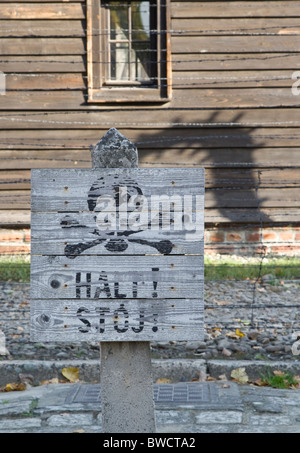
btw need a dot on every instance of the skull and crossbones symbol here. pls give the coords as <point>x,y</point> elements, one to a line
<point>114,241</point>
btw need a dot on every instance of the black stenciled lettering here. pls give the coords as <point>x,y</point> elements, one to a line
<point>155,270</point>
<point>141,323</point>
<point>134,289</point>
<point>155,328</point>
<point>80,284</point>
<point>121,311</point>
<point>83,320</point>
<point>103,286</point>
<point>102,311</point>
<point>117,294</point>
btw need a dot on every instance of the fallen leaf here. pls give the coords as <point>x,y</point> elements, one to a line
<point>22,304</point>
<point>71,373</point>
<point>279,373</point>
<point>13,387</point>
<point>163,381</point>
<point>50,381</point>
<point>79,431</point>
<point>239,375</point>
<point>239,333</point>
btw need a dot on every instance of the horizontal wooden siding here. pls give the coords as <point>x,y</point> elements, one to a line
<point>232,109</point>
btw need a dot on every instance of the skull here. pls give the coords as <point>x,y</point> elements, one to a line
<point>116,241</point>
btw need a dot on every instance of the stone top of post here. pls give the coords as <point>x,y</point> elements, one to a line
<point>114,150</point>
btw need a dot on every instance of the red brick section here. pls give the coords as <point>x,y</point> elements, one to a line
<point>252,241</point>
<point>239,241</point>
<point>14,241</point>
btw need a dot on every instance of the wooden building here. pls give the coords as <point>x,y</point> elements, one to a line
<point>191,83</point>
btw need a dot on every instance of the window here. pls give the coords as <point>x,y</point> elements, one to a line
<point>128,51</point>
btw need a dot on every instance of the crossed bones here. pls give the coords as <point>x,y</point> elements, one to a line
<point>113,245</point>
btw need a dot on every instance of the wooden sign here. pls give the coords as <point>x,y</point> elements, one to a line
<point>117,254</point>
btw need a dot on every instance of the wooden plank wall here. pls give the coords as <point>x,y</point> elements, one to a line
<point>232,109</point>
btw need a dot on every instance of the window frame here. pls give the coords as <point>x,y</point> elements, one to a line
<point>97,45</point>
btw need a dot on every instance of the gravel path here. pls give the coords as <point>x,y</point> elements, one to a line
<point>243,319</point>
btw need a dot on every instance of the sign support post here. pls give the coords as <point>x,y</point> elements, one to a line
<point>125,367</point>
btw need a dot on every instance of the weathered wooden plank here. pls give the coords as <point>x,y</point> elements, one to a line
<point>90,320</point>
<point>51,81</point>
<point>184,80</point>
<point>42,46</point>
<point>182,27</point>
<point>58,234</point>
<point>115,277</point>
<point>235,176</point>
<point>10,218</point>
<point>252,216</point>
<point>235,26</point>
<point>19,199</point>
<point>43,63</point>
<point>236,197</point>
<point>238,178</point>
<point>184,62</point>
<point>207,98</point>
<point>235,44</point>
<point>44,158</point>
<point>220,157</point>
<point>42,1</point>
<point>225,79</point>
<point>156,139</point>
<point>148,118</point>
<point>43,100</point>
<point>78,190</point>
<point>10,180</point>
<point>215,9</point>
<point>62,10</point>
<point>233,62</point>
<point>42,28</point>
<point>213,138</point>
<point>225,44</point>
<point>235,98</point>
<point>252,198</point>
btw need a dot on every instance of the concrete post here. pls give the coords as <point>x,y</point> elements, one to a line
<point>125,372</point>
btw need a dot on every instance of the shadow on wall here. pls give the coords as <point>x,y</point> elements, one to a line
<point>226,152</point>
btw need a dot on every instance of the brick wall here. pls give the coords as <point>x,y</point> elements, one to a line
<point>253,240</point>
<point>237,241</point>
<point>14,241</point>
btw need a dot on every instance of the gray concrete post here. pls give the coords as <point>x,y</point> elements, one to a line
<point>125,371</point>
